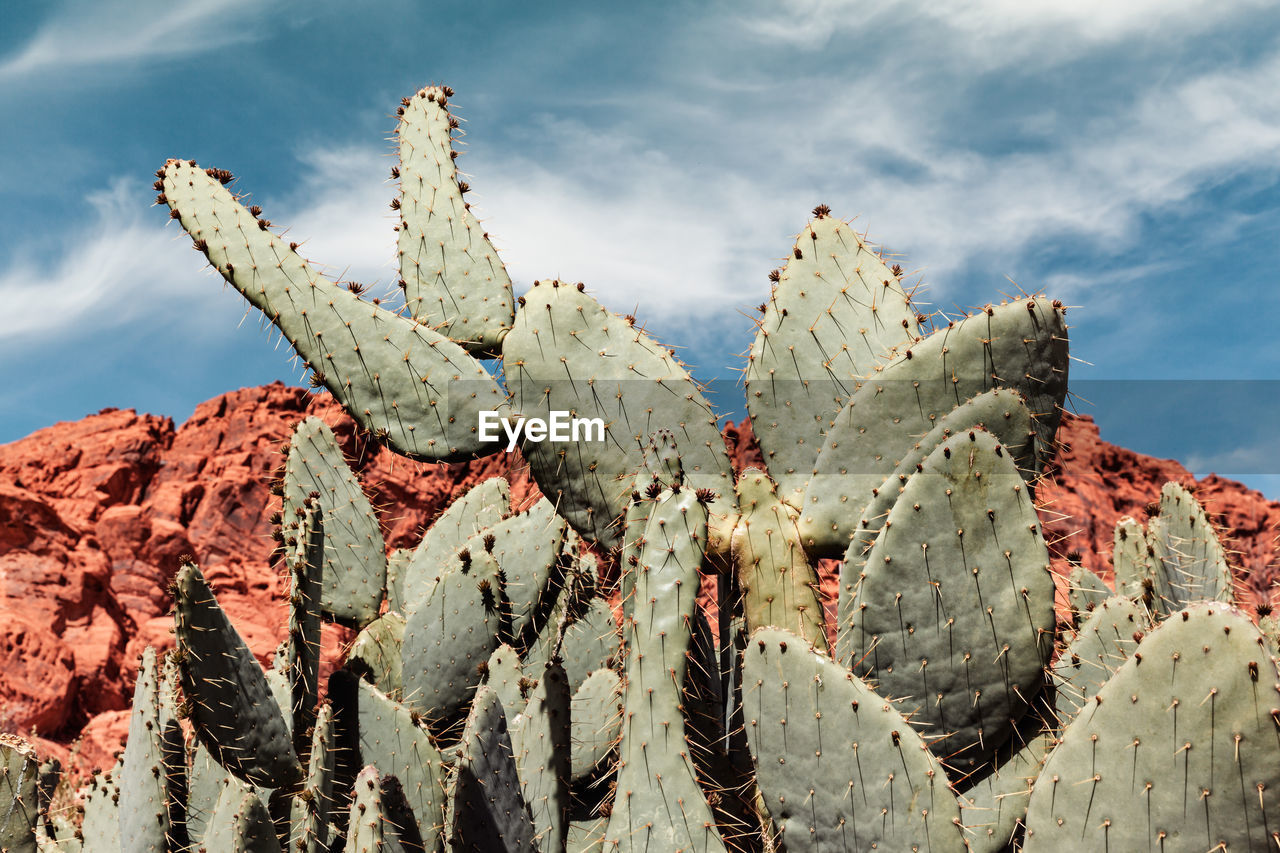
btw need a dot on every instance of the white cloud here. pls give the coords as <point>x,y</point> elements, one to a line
<point>120,266</point>
<point>992,33</point>
<point>85,34</point>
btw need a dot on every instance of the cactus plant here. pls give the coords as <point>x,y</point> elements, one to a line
<point>491,701</point>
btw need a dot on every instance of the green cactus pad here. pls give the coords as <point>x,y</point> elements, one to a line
<point>526,546</point>
<point>367,826</point>
<point>19,799</point>
<point>834,314</point>
<point>540,743</point>
<point>656,773</point>
<point>838,767</point>
<point>592,641</point>
<point>413,387</point>
<point>779,586</point>
<point>597,724</point>
<point>1135,564</point>
<point>381,820</point>
<point>995,807</point>
<point>484,505</point>
<point>375,653</point>
<point>206,779</point>
<point>1021,345</point>
<point>1177,752</point>
<point>144,780</point>
<point>1194,563</point>
<point>1104,641</point>
<point>449,636</point>
<point>999,411</point>
<point>391,740</point>
<point>504,674</point>
<point>954,609</point>
<point>232,709</point>
<point>355,562</point>
<point>397,566</point>
<point>454,280</point>
<point>101,825</point>
<point>302,647</point>
<point>1085,591</point>
<point>310,811</point>
<point>487,812</point>
<point>567,353</point>
<point>240,823</point>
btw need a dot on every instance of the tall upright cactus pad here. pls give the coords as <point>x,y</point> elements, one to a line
<point>19,802</point>
<point>541,747</point>
<point>568,353</point>
<point>1177,752</point>
<point>354,572</point>
<point>596,723</point>
<point>391,741</point>
<point>101,825</point>
<point>144,789</point>
<point>240,823</point>
<point>401,380</point>
<point>1085,591</point>
<point>834,313</point>
<point>380,821</point>
<point>1135,573</point>
<point>1021,345</point>
<point>527,547</point>
<point>302,647</point>
<point>954,608</point>
<point>839,768</point>
<point>1102,644</point>
<point>232,709</point>
<point>779,586</point>
<point>309,828</point>
<point>452,276</point>
<point>205,780</point>
<point>1193,560</point>
<point>656,773</point>
<point>484,505</point>
<point>487,813</point>
<point>450,635</point>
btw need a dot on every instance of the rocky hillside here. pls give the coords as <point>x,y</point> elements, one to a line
<point>94,516</point>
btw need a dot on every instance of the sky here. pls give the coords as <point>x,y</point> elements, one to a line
<point>1121,157</point>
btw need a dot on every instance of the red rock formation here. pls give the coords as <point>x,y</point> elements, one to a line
<point>1095,484</point>
<point>95,514</point>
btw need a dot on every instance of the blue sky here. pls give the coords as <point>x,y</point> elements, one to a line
<point>1123,157</point>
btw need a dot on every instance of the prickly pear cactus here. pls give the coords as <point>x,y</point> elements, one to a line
<point>566,352</point>
<point>954,605</point>
<point>397,377</point>
<point>656,774</point>
<point>835,312</point>
<point>839,768</point>
<point>452,276</point>
<point>232,709</point>
<point>1021,345</point>
<point>1177,751</point>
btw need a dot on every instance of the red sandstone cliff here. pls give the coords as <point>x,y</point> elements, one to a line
<point>94,516</point>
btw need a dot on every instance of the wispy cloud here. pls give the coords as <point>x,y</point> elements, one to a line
<point>93,34</point>
<point>989,34</point>
<point>118,267</point>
